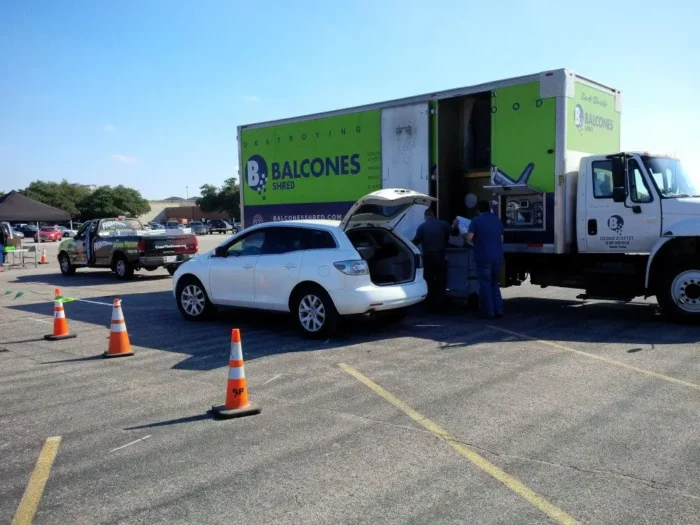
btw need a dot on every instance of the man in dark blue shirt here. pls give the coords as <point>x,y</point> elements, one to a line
<point>433,235</point>
<point>486,231</point>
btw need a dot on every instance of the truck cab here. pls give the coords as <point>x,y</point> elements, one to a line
<point>632,225</point>
<point>635,222</point>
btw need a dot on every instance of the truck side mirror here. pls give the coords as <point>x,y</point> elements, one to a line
<point>619,176</point>
<point>619,171</point>
<point>619,194</point>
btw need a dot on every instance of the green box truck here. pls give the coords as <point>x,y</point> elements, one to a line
<point>544,149</point>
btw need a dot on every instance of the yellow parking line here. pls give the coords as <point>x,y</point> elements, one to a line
<point>35,489</point>
<point>509,481</point>
<point>642,371</point>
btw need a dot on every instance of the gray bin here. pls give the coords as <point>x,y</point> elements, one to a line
<point>462,280</point>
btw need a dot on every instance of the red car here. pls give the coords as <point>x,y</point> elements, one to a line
<point>48,233</point>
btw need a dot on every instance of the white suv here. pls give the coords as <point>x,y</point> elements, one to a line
<point>317,270</point>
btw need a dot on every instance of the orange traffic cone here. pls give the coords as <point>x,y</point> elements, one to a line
<point>237,404</point>
<point>43,259</point>
<point>119,345</point>
<point>60,324</point>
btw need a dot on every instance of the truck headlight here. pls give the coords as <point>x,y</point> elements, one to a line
<point>352,267</point>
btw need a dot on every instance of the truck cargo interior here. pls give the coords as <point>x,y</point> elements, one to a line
<point>464,152</point>
<point>390,261</point>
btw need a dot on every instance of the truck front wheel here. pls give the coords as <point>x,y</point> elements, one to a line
<point>64,262</point>
<point>679,293</point>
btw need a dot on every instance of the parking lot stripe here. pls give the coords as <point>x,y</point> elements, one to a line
<point>484,464</point>
<point>608,360</point>
<point>35,489</point>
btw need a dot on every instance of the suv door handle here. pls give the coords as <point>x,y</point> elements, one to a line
<point>289,266</point>
<point>592,227</point>
<point>249,266</point>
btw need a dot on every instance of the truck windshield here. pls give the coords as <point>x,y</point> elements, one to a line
<point>670,179</point>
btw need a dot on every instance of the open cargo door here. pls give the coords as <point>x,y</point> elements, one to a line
<point>405,157</point>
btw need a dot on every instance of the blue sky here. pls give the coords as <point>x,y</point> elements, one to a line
<point>149,93</point>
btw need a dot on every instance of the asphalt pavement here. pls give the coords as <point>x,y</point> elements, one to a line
<point>564,411</point>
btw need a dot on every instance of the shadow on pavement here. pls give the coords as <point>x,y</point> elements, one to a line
<point>153,321</point>
<point>188,419</point>
<point>90,278</point>
<point>76,360</point>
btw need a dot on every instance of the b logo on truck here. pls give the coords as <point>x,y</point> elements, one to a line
<point>616,223</point>
<point>256,174</point>
<point>579,116</point>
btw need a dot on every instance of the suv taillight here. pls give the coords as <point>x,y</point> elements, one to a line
<point>141,246</point>
<point>419,260</point>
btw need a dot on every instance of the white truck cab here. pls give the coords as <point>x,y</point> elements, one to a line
<point>637,221</point>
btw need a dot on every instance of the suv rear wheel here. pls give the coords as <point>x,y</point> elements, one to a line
<point>314,312</point>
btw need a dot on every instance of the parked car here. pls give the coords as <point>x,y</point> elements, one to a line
<point>28,230</point>
<point>67,232</point>
<point>156,226</point>
<point>48,234</point>
<point>317,270</point>
<point>17,233</point>
<point>219,226</point>
<point>199,228</point>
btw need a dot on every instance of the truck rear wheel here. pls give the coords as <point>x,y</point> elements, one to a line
<point>679,292</point>
<point>123,268</point>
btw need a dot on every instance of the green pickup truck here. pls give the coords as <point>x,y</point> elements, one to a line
<point>123,245</point>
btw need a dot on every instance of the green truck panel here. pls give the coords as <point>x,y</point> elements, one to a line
<point>523,131</point>
<point>593,124</point>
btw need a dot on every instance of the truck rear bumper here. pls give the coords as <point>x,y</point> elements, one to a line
<point>164,260</point>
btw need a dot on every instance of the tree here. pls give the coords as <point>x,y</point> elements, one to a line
<point>226,199</point>
<point>80,201</point>
<point>61,195</point>
<point>107,201</point>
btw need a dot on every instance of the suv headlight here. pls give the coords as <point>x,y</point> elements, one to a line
<point>352,267</point>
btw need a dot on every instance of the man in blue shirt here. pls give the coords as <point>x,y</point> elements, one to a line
<point>486,231</point>
<point>433,235</point>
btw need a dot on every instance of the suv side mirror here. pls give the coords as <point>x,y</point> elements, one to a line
<point>619,194</point>
<point>221,251</point>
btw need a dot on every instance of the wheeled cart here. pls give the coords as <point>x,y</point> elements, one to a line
<point>462,279</point>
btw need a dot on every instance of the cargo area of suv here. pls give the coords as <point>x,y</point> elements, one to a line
<point>390,261</point>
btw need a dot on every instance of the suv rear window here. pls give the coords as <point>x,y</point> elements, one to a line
<point>318,240</point>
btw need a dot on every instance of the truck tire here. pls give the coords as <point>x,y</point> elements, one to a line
<point>192,299</point>
<point>314,312</point>
<point>64,263</point>
<point>123,268</point>
<point>679,292</point>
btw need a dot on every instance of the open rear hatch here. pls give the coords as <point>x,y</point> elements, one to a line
<point>383,208</point>
<point>369,225</point>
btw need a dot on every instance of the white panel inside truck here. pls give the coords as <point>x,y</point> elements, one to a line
<point>405,140</point>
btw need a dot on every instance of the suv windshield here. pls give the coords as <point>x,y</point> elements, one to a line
<point>670,179</point>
